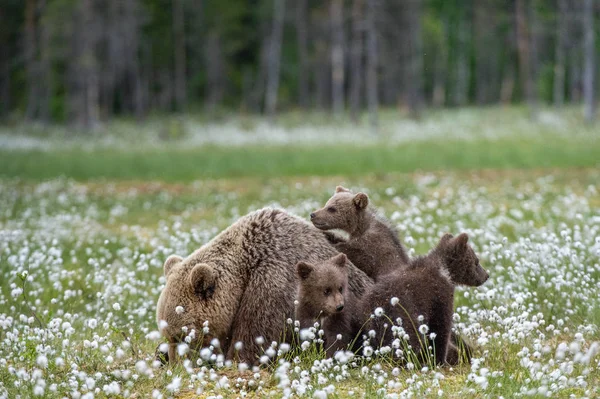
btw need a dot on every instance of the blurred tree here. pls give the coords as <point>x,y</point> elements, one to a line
<point>85,61</point>
<point>179,40</point>
<point>561,47</point>
<point>336,14</point>
<point>302,43</point>
<point>590,62</point>
<point>273,58</point>
<point>356,57</point>
<point>372,62</point>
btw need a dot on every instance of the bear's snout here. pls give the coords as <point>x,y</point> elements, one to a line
<point>312,216</point>
<point>339,308</point>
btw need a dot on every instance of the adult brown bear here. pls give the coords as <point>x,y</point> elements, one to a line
<point>244,283</point>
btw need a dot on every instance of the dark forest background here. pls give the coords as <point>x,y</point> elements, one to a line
<point>87,61</point>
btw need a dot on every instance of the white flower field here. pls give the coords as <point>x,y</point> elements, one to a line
<point>82,270</point>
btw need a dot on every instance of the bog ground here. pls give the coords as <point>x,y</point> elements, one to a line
<point>81,264</point>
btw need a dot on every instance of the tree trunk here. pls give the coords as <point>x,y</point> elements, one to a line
<point>84,70</point>
<point>487,60</point>
<point>336,15</point>
<point>589,89</point>
<point>31,60</point>
<point>44,70</point>
<point>356,54</point>
<point>371,87</point>
<point>214,71</point>
<point>438,96</point>
<point>322,74</point>
<point>302,43</point>
<point>559,63</point>
<point>575,49</point>
<point>4,79</point>
<point>524,49</point>
<point>274,58</point>
<point>461,80</point>
<point>180,55</point>
<point>415,68</point>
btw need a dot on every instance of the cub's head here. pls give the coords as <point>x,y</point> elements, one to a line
<point>191,297</point>
<point>323,286</point>
<point>342,211</point>
<point>461,261</point>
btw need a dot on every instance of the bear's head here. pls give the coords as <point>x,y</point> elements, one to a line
<point>461,261</point>
<point>343,211</point>
<point>323,286</point>
<point>191,297</point>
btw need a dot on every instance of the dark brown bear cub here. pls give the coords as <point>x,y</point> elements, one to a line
<point>425,298</point>
<point>373,245</point>
<point>323,297</point>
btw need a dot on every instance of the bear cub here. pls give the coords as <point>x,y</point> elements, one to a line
<point>373,245</point>
<point>425,292</point>
<point>324,297</point>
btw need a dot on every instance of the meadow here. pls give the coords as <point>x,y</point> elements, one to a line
<point>85,229</point>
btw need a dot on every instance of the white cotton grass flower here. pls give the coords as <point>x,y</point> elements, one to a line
<point>153,335</point>
<point>116,306</point>
<point>42,361</point>
<point>378,311</point>
<point>423,329</point>
<point>174,385</point>
<point>394,301</point>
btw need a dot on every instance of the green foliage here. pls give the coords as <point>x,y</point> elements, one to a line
<point>242,30</point>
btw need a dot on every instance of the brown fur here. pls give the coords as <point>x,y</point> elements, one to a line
<point>243,282</point>
<point>426,288</point>
<point>323,297</point>
<point>373,245</point>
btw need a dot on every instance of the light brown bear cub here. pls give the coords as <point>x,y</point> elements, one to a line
<point>324,297</point>
<point>373,245</point>
<point>426,289</point>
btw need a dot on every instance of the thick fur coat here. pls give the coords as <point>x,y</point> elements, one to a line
<point>244,283</point>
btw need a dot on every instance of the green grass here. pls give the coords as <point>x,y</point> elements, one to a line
<point>529,201</point>
<point>254,161</point>
<point>71,237</point>
<point>300,144</point>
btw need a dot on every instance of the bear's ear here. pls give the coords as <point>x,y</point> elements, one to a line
<point>170,262</point>
<point>340,260</point>
<point>446,238</point>
<point>460,241</point>
<point>360,200</point>
<point>340,189</point>
<point>203,279</point>
<point>304,270</point>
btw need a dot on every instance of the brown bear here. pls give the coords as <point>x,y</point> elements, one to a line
<point>373,245</point>
<point>422,298</point>
<point>324,297</point>
<point>243,283</point>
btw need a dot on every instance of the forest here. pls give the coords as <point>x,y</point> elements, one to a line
<point>82,62</point>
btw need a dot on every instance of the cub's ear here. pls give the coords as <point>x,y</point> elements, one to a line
<point>360,200</point>
<point>170,262</point>
<point>203,278</point>
<point>460,241</point>
<point>304,270</point>
<point>340,260</point>
<point>340,189</point>
<point>446,238</point>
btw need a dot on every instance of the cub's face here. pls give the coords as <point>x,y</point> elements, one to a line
<point>190,298</point>
<point>462,262</point>
<point>323,286</point>
<point>341,211</point>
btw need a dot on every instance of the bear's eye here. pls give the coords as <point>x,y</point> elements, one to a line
<point>327,291</point>
<point>341,290</point>
<point>331,210</point>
